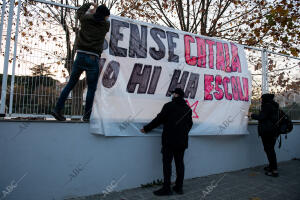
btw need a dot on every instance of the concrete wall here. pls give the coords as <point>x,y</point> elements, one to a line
<point>51,160</point>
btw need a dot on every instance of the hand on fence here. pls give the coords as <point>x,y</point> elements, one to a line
<point>95,6</point>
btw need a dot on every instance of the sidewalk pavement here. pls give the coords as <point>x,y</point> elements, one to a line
<point>246,184</point>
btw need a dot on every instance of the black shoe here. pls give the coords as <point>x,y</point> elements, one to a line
<point>178,190</point>
<point>267,169</point>
<point>163,192</point>
<point>85,119</point>
<point>272,173</point>
<point>58,116</point>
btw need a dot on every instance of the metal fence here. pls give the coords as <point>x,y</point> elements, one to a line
<point>40,59</point>
<point>37,52</point>
<point>278,74</point>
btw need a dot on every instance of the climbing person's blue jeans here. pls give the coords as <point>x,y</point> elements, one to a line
<point>89,64</point>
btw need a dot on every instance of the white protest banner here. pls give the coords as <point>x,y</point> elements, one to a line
<point>142,63</point>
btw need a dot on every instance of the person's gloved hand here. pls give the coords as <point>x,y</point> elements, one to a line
<point>143,131</point>
<point>93,10</point>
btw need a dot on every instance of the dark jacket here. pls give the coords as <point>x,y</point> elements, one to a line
<point>268,116</point>
<point>176,117</point>
<point>92,32</point>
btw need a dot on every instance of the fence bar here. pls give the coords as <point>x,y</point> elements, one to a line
<point>6,57</point>
<point>43,116</point>
<point>12,83</point>
<point>55,4</point>
<point>272,52</point>
<point>2,22</point>
<point>281,54</point>
<point>254,48</point>
<point>264,61</point>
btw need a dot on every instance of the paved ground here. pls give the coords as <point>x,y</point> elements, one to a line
<point>246,184</point>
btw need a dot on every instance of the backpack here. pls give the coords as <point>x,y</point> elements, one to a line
<point>284,125</point>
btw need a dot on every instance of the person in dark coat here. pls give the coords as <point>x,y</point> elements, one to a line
<point>176,117</point>
<point>89,44</point>
<point>267,119</point>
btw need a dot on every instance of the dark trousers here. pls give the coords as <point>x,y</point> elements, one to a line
<point>269,144</point>
<point>89,64</point>
<point>168,155</point>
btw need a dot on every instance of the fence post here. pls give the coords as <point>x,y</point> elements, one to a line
<point>12,83</point>
<point>1,23</point>
<point>264,61</point>
<point>6,58</point>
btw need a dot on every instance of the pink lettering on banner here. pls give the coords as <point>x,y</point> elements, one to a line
<point>241,95</point>
<point>234,88</point>
<point>220,65</point>
<point>246,89</point>
<point>227,58</point>
<point>188,59</point>
<point>201,50</point>
<point>219,94</point>
<point>208,87</point>
<point>216,87</point>
<point>211,53</point>
<point>235,62</point>
<point>226,80</point>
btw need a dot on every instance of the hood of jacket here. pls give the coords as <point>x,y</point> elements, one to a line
<point>267,98</point>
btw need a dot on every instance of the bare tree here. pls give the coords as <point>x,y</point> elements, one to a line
<point>266,24</point>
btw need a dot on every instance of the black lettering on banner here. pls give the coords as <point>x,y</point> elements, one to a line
<point>137,42</point>
<point>111,73</point>
<point>191,88</point>
<point>154,80</point>
<point>161,52</point>
<point>172,45</point>
<point>177,84</point>
<point>139,77</point>
<point>115,36</point>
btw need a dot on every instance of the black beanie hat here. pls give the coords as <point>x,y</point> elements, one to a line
<point>267,97</point>
<point>179,91</point>
<point>101,12</point>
